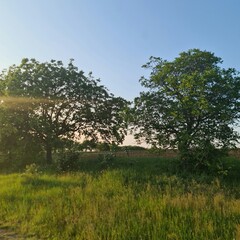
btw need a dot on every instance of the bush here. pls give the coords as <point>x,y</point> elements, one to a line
<point>205,159</point>
<point>68,161</point>
<point>32,169</point>
<point>106,160</point>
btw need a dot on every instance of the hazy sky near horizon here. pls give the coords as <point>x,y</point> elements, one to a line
<point>114,38</point>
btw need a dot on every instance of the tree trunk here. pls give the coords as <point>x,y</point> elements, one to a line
<point>49,154</point>
<point>185,155</point>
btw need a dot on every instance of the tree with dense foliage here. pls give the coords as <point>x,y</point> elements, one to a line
<point>192,104</point>
<point>88,145</point>
<point>58,102</point>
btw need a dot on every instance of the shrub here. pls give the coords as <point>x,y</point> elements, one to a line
<point>68,161</point>
<point>106,160</point>
<point>32,169</point>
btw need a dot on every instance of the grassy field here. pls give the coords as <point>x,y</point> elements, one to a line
<point>129,198</point>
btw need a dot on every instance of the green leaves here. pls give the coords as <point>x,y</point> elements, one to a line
<point>63,103</point>
<point>190,101</point>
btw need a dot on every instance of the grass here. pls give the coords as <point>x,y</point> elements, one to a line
<point>132,198</point>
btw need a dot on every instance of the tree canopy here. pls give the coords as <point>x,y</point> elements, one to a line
<point>191,104</point>
<point>51,102</point>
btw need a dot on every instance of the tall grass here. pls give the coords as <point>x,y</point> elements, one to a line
<point>136,199</point>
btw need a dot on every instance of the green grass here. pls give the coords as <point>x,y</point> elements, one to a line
<point>128,199</point>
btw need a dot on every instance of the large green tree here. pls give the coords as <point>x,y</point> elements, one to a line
<point>58,102</point>
<point>191,104</point>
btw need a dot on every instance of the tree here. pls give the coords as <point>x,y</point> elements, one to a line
<point>192,104</point>
<point>59,102</point>
<point>103,147</point>
<point>16,147</point>
<point>88,145</point>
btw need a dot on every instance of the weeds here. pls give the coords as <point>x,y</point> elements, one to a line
<point>141,200</point>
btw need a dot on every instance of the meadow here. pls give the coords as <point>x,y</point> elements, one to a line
<point>125,198</point>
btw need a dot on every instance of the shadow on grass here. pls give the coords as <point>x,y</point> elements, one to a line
<point>142,171</point>
<point>157,166</point>
<point>39,182</point>
<point>153,165</point>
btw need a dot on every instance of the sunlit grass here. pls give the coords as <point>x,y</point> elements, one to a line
<point>120,203</point>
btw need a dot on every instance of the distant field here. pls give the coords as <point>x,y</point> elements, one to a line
<point>128,198</point>
<point>150,154</point>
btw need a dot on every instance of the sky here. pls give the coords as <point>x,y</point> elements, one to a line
<point>114,38</point>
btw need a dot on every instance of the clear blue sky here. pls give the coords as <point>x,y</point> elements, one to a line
<point>113,38</point>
